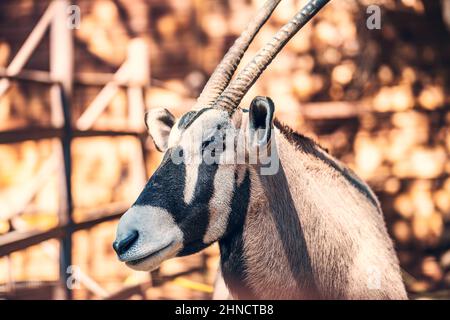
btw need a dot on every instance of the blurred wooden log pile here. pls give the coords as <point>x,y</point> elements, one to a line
<point>377,99</point>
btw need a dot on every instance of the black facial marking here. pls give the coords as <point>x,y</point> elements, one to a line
<point>155,192</point>
<point>232,244</point>
<point>195,224</point>
<point>187,119</point>
<point>191,218</point>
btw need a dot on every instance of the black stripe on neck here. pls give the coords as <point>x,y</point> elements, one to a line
<point>232,244</point>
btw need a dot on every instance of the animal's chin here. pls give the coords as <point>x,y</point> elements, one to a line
<point>152,260</point>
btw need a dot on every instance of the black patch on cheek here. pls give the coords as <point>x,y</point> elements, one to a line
<point>188,118</point>
<point>185,119</point>
<point>194,222</point>
<point>155,191</point>
<point>232,244</point>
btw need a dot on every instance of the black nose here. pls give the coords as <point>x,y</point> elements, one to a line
<point>123,245</point>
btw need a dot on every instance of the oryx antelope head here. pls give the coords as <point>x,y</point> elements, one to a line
<point>189,204</point>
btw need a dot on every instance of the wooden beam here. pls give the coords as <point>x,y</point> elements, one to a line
<point>61,61</point>
<point>15,241</point>
<point>108,133</point>
<point>86,79</point>
<point>61,70</point>
<point>102,100</point>
<point>29,46</point>
<point>37,76</point>
<point>30,133</point>
<point>32,290</point>
<point>39,133</point>
<point>93,78</point>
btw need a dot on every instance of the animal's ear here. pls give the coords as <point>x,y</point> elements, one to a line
<point>260,121</point>
<point>159,122</point>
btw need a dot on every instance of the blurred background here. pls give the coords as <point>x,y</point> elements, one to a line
<point>74,154</point>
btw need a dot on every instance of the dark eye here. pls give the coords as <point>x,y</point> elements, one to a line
<point>206,143</point>
<point>215,145</point>
<point>175,154</point>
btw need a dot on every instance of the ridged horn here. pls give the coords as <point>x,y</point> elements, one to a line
<point>233,94</point>
<point>226,68</point>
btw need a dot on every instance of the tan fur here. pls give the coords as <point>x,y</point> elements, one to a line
<point>340,242</point>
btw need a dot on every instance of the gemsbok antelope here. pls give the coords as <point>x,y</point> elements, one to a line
<point>305,228</point>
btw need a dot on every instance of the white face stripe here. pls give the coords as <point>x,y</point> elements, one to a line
<point>190,139</point>
<point>190,182</point>
<point>220,203</point>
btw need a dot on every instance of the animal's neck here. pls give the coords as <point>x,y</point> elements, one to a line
<point>311,230</point>
<point>262,259</point>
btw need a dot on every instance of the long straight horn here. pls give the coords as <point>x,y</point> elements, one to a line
<point>233,94</point>
<point>225,70</point>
